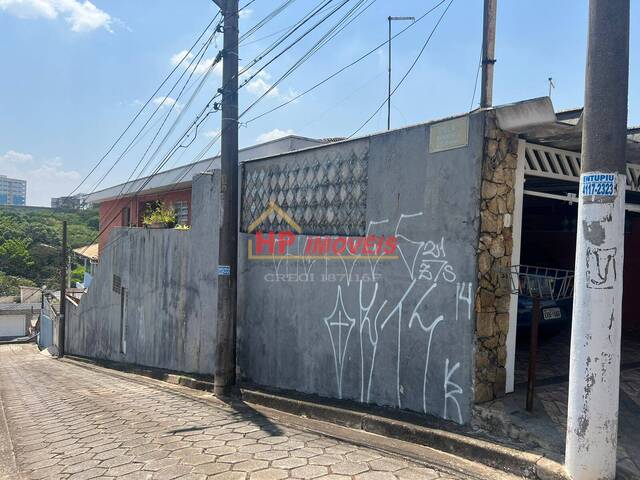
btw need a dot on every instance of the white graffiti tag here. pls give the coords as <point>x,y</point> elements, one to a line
<point>340,321</point>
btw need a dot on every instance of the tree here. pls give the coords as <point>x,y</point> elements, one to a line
<point>15,258</point>
<point>11,285</point>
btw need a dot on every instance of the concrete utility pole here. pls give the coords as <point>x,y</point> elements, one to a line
<point>63,292</point>
<point>488,52</point>
<point>592,423</point>
<point>224,374</point>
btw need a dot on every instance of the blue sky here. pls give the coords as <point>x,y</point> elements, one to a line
<point>75,73</point>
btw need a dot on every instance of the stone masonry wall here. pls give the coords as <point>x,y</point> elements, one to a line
<point>494,256</point>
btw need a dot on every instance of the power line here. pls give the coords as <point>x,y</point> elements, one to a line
<point>305,57</point>
<point>113,145</point>
<point>424,46</point>
<point>315,48</point>
<point>475,83</point>
<point>191,69</point>
<point>161,164</point>
<point>346,67</point>
<point>175,123</point>
<point>273,14</point>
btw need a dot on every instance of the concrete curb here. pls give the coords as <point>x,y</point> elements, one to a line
<point>514,461</point>
<point>156,374</point>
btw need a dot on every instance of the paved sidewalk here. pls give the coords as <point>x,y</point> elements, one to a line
<point>546,425</point>
<point>69,422</point>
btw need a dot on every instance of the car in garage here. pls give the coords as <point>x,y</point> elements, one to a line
<point>555,315</point>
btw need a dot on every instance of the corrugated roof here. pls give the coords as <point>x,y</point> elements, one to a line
<point>180,177</point>
<point>89,251</point>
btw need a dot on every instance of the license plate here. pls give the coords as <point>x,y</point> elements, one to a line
<point>551,313</point>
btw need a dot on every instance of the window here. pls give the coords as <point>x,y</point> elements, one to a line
<point>182,212</point>
<point>126,217</point>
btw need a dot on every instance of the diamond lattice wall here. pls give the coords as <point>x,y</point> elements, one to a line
<point>325,196</point>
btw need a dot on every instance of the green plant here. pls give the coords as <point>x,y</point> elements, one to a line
<point>182,227</point>
<point>77,274</point>
<point>160,215</point>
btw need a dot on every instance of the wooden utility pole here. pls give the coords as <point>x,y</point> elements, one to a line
<point>224,370</point>
<point>594,374</point>
<point>63,292</point>
<point>488,52</point>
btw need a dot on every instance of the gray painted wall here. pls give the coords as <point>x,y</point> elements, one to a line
<point>170,278</point>
<point>405,339</point>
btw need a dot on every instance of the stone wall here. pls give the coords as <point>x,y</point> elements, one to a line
<point>494,256</point>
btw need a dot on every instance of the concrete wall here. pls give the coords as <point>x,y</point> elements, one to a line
<point>396,332</point>
<point>170,280</point>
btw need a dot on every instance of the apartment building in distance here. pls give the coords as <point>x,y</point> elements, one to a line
<point>75,202</point>
<point>12,191</point>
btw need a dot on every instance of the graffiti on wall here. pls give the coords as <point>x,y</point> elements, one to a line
<point>387,311</point>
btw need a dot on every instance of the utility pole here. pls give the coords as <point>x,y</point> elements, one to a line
<point>391,19</point>
<point>224,370</point>
<point>488,52</point>
<point>63,292</point>
<point>594,374</point>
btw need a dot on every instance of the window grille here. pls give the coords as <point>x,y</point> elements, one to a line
<point>182,212</point>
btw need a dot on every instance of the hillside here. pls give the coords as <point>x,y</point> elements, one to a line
<point>30,242</point>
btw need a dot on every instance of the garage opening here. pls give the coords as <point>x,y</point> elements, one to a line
<point>549,227</point>
<point>548,239</point>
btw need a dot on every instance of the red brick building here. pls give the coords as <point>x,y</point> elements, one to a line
<point>124,205</point>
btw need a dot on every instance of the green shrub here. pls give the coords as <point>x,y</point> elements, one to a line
<point>160,216</point>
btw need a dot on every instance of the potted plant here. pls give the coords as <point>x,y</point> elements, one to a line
<point>160,217</point>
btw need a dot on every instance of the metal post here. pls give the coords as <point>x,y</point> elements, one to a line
<point>63,292</point>
<point>224,370</point>
<point>533,352</point>
<point>390,19</point>
<point>592,422</point>
<point>389,90</point>
<point>488,52</point>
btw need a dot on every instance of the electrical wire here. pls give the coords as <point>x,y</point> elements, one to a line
<point>399,84</point>
<point>346,67</point>
<point>190,68</point>
<point>172,128</point>
<point>475,83</point>
<point>113,145</point>
<point>326,38</point>
<point>318,45</point>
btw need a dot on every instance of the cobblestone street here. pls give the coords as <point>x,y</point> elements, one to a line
<point>69,422</point>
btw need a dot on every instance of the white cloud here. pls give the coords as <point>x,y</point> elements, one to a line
<point>212,133</point>
<point>30,8</point>
<point>205,64</point>
<point>273,135</point>
<point>291,95</point>
<point>164,101</point>
<point>14,157</point>
<point>180,56</point>
<point>259,86</point>
<point>81,16</point>
<point>245,13</point>
<point>45,178</point>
